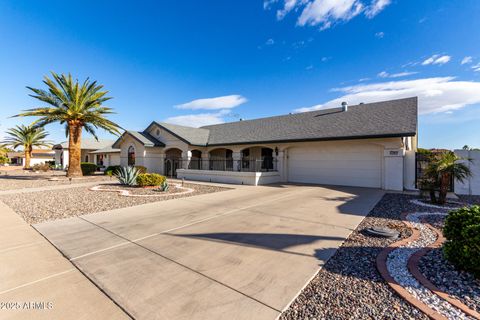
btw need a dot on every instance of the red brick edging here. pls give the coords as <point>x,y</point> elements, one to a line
<point>413,268</point>
<point>382,268</point>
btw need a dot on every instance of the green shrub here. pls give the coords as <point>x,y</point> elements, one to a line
<point>150,179</point>
<point>141,169</point>
<point>88,168</point>
<point>462,230</point>
<point>110,171</point>
<point>127,175</point>
<point>4,160</point>
<point>41,167</point>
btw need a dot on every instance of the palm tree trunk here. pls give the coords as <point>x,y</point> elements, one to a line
<point>74,149</point>
<point>28,156</point>
<point>444,183</point>
<point>433,197</point>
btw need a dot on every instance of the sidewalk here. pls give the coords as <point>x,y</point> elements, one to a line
<point>37,282</point>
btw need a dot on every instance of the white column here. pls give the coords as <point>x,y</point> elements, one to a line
<point>186,156</point>
<point>393,174</point>
<point>281,164</point>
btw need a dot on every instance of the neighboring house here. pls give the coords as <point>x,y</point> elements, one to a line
<point>38,156</point>
<point>367,145</point>
<point>99,152</point>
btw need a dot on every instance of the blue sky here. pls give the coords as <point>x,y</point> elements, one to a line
<point>203,62</point>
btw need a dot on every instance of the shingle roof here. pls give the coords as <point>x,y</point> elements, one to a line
<point>394,118</point>
<point>143,137</point>
<point>380,119</point>
<point>108,149</point>
<point>194,136</point>
<point>90,144</point>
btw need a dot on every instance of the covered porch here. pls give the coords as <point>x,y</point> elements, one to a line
<point>251,165</point>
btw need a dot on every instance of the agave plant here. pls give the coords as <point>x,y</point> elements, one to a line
<point>127,175</point>
<point>164,186</point>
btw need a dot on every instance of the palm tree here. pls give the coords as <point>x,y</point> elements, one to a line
<point>78,107</point>
<point>26,137</point>
<point>441,170</point>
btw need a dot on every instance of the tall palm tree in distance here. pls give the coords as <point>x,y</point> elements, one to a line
<point>77,106</point>
<point>26,137</point>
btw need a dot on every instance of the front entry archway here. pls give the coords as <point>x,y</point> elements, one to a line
<point>173,161</point>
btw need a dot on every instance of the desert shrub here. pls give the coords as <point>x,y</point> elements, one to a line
<point>88,168</point>
<point>462,230</point>
<point>127,175</point>
<point>41,167</point>
<point>4,160</point>
<point>164,186</point>
<point>110,171</point>
<point>141,169</point>
<point>150,179</point>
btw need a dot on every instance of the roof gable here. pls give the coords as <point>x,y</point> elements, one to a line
<point>144,138</point>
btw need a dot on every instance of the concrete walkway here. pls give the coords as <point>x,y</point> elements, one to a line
<point>37,282</point>
<point>239,254</point>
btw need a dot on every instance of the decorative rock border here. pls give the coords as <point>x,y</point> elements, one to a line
<point>422,203</point>
<point>413,268</point>
<point>127,193</point>
<point>396,262</point>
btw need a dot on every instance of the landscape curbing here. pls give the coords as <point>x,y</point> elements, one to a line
<point>381,262</point>
<point>413,268</point>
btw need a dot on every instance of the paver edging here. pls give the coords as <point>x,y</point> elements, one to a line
<point>127,193</point>
<point>413,268</point>
<point>381,262</point>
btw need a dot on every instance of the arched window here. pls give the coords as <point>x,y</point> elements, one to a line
<point>131,156</point>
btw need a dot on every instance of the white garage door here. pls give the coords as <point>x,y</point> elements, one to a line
<point>342,164</point>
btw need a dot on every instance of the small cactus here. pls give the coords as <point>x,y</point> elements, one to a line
<point>164,186</point>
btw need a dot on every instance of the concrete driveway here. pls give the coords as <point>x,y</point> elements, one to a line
<point>238,254</point>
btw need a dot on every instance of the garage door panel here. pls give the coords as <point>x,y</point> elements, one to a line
<point>351,165</point>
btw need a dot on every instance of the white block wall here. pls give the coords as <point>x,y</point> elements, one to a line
<point>470,186</point>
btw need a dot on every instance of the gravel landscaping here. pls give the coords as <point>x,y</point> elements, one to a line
<point>458,284</point>
<point>57,204</point>
<point>349,285</point>
<point>20,179</point>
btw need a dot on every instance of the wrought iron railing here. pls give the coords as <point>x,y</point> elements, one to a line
<point>265,164</point>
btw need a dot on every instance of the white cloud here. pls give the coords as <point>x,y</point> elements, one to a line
<point>385,74</point>
<point>270,42</point>
<point>326,13</point>
<point>436,59</point>
<point>476,67</point>
<point>199,120</point>
<point>467,60</point>
<point>225,102</point>
<point>288,6</point>
<point>376,7</point>
<point>435,95</point>
<point>380,35</point>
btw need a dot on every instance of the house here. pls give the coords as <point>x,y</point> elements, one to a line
<point>99,152</point>
<point>366,145</point>
<point>38,156</point>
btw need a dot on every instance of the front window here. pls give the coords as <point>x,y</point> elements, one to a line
<point>131,156</point>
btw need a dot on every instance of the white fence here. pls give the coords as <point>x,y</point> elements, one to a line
<point>470,186</point>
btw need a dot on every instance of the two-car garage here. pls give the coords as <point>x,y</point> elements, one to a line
<point>336,163</point>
